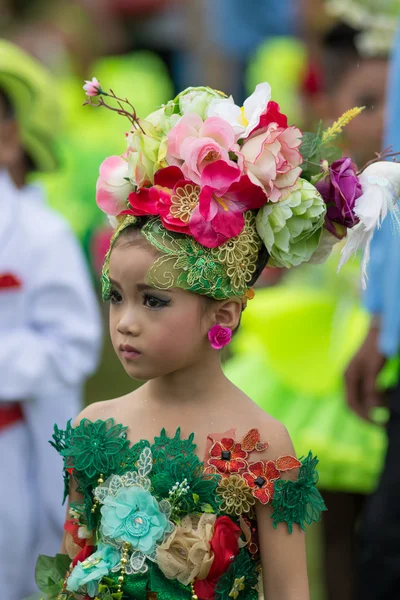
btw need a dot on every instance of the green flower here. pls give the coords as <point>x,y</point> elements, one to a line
<point>240,580</point>
<point>95,448</point>
<point>93,569</point>
<point>291,229</point>
<point>197,99</point>
<point>133,515</point>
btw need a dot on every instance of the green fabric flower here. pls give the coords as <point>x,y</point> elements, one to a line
<point>90,571</point>
<point>133,515</point>
<point>95,448</point>
<point>291,229</point>
<point>298,501</point>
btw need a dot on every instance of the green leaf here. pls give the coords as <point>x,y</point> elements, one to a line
<point>47,574</point>
<point>117,595</point>
<point>196,498</point>
<point>62,564</point>
<point>309,145</point>
<point>207,508</point>
<point>330,153</point>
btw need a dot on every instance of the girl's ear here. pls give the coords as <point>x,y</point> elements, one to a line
<point>228,313</point>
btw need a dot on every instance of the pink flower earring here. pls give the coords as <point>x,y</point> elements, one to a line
<point>219,336</point>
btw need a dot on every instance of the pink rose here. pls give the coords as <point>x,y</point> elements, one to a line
<point>194,144</point>
<point>272,158</point>
<point>113,188</point>
<point>92,88</point>
<point>219,336</point>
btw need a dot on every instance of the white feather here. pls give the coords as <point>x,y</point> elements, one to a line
<point>381,189</point>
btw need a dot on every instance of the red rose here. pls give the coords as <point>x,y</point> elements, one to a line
<point>224,545</point>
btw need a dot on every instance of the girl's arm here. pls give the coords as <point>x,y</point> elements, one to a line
<point>283,559</point>
<point>283,555</point>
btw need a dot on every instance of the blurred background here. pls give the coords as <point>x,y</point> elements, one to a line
<point>321,58</point>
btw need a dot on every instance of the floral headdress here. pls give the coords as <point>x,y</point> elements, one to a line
<point>220,189</point>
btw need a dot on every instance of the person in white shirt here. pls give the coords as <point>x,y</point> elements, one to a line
<point>50,328</point>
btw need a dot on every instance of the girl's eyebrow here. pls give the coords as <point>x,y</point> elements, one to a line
<point>114,282</point>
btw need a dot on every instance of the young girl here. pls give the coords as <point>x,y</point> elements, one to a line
<point>185,488</point>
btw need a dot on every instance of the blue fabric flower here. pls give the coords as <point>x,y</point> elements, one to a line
<point>133,515</point>
<point>90,571</point>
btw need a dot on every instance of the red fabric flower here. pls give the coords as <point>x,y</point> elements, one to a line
<point>224,545</point>
<point>157,200</point>
<point>83,554</point>
<point>229,456</point>
<point>271,114</point>
<point>261,475</point>
<point>72,527</point>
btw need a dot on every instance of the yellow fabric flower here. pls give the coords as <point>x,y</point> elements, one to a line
<point>186,554</point>
<point>236,495</point>
<point>238,586</point>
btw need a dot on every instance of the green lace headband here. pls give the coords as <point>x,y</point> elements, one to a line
<point>219,273</point>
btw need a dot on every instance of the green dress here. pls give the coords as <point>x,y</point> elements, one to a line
<point>157,523</point>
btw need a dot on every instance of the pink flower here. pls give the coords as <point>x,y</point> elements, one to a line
<point>272,158</point>
<point>225,195</point>
<point>171,197</point>
<point>194,144</point>
<point>219,336</point>
<point>92,88</point>
<point>113,185</point>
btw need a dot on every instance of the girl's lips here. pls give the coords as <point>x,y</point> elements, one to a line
<point>129,352</point>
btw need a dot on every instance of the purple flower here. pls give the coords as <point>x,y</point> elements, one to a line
<point>340,189</point>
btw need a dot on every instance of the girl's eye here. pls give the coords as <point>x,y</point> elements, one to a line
<point>115,297</point>
<point>154,302</point>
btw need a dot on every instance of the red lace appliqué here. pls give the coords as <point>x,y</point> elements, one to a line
<point>228,456</point>
<point>261,476</point>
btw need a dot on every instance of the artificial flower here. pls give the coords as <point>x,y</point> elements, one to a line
<point>113,186</point>
<point>225,547</point>
<point>243,119</point>
<point>194,144</point>
<point>227,456</point>
<point>225,195</point>
<point>261,475</point>
<point>197,100</point>
<point>291,229</point>
<point>186,553</point>
<point>146,153</point>
<point>95,448</point>
<point>272,159</point>
<point>219,336</point>
<point>92,88</point>
<point>89,572</point>
<point>134,516</point>
<point>171,197</point>
<point>236,495</point>
<point>340,190</point>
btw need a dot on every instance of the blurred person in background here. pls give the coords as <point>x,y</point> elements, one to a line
<point>349,78</point>
<point>49,323</point>
<point>379,573</point>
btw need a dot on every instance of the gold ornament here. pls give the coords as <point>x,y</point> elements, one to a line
<point>95,501</point>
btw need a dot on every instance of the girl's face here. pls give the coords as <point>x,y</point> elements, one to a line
<point>154,332</point>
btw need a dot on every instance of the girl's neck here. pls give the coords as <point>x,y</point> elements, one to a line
<point>202,381</point>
